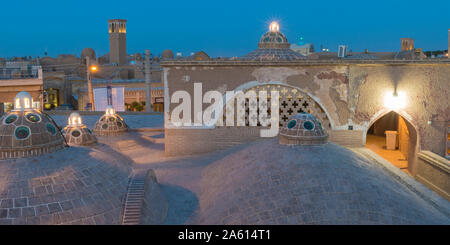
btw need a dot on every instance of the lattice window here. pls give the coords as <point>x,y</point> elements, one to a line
<point>292,101</point>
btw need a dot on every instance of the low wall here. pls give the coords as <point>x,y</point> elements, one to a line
<point>197,141</point>
<point>351,138</point>
<point>155,204</point>
<point>434,172</point>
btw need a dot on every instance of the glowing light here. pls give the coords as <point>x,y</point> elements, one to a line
<point>26,103</point>
<point>274,27</point>
<point>22,101</point>
<point>110,111</point>
<point>18,103</point>
<point>94,68</point>
<point>395,101</point>
<point>75,119</point>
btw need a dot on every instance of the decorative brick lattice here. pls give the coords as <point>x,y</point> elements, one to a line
<point>292,101</point>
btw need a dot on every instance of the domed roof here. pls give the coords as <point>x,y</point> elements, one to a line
<point>303,129</point>
<point>110,123</point>
<point>76,133</point>
<point>167,54</point>
<point>76,185</point>
<point>273,39</point>
<point>273,45</point>
<point>27,132</point>
<point>88,52</point>
<point>268,183</point>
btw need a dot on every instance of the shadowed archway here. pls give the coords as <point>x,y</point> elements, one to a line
<point>395,138</point>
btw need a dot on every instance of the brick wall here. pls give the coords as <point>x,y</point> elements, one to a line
<point>353,138</point>
<point>434,172</point>
<point>195,141</point>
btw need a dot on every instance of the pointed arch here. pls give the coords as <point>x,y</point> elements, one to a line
<point>254,84</point>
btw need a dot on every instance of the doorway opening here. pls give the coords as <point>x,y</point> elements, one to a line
<point>395,139</point>
<point>51,98</point>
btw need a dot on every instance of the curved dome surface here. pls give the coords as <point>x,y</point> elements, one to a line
<point>110,123</point>
<point>269,183</point>
<point>76,133</point>
<point>273,45</point>
<point>27,132</point>
<point>303,129</point>
<point>273,39</point>
<point>77,185</point>
<point>167,54</point>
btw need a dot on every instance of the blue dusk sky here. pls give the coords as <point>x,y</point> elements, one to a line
<point>220,28</point>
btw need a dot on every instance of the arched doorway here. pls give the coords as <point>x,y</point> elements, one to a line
<point>395,139</point>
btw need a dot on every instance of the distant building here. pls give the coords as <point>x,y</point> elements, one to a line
<point>407,44</point>
<point>117,41</point>
<point>305,49</point>
<point>16,79</point>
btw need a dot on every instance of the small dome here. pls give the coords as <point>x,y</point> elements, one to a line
<point>138,56</point>
<point>88,52</point>
<point>76,133</point>
<point>110,123</point>
<point>303,129</point>
<point>273,39</point>
<point>200,55</point>
<point>273,45</point>
<point>167,54</point>
<point>27,132</point>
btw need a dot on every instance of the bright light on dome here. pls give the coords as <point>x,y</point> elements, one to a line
<point>110,111</point>
<point>274,27</point>
<point>395,102</point>
<point>75,119</point>
<point>22,101</point>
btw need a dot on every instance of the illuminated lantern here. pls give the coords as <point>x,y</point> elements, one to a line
<point>22,101</point>
<point>274,27</point>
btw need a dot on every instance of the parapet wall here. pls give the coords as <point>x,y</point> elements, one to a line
<point>155,204</point>
<point>434,172</point>
<point>198,141</point>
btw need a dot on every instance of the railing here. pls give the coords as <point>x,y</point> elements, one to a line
<point>19,73</point>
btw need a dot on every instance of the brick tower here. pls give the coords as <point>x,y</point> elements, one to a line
<point>407,44</point>
<point>117,41</point>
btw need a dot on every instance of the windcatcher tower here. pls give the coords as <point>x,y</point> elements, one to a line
<point>407,44</point>
<point>117,41</point>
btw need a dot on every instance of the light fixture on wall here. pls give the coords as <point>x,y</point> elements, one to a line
<point>395,101</point>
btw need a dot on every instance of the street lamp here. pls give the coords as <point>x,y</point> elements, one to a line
<point>90,69</point>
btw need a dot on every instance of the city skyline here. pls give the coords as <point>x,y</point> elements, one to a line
<point>220,30</point>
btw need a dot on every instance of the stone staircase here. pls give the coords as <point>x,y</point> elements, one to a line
<point>133,201</point>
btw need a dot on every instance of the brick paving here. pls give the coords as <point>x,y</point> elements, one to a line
<point>268,183</point>
<point>76,185</point>
<point>259,183</point>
